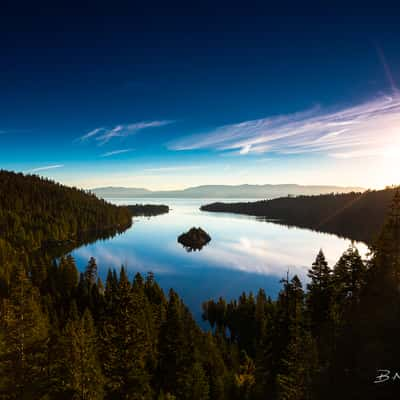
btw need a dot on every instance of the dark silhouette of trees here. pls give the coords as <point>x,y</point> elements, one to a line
<point>24,333</point>
<point>147,210</point>
<point>358,216</point>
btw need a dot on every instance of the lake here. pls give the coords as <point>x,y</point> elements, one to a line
<point>244,254</point>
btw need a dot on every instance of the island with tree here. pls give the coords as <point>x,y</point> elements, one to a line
<point>194,239</point>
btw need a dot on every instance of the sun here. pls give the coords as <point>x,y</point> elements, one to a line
<point>390,166</point>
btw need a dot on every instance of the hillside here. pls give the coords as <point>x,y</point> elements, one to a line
<point>358,216</point>
<point>227,191</point>
<point>36,214</point>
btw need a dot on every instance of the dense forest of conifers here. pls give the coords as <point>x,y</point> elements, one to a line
<point>40,218</point>
<point>147,210</point>
<point>68,335</point>
<point>358,216</point>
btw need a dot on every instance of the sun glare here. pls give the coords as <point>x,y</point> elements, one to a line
<point>391,165</point>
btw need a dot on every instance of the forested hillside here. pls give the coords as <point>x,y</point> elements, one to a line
<point>358,216</point>
<point>38,215</point>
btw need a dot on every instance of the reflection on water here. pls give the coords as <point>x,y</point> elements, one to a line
<point>244,254</point>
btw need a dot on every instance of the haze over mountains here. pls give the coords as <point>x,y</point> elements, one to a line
<point>226,191</point>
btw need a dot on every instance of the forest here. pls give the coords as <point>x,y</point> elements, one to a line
<point>69,335</point>
<point>41,219</point>
<point>147,210</point>
<point>357,216</point>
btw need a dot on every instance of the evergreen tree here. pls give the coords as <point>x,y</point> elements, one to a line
<point>126,345</point>
<point>111,288</point>
<point>298,360</point>
<point>197,387</point>
<point>319,295</point>
<point>79,370</point>
<point>320,306</point>
<point>91,272</point>
<point>171,345</point>
<point>349,277</point>
<point>177,348</point>
<point>68,276</point>
<point>24,333</point>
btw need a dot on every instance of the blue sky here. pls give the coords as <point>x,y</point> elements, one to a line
<point>167,98</point>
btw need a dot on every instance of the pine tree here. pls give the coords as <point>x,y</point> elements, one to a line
<point>320,306</point>
<point>214,367</point>
<point>197,387</point>
<point>68,276</point>
<point>298,357</point>
<point>319,294</point>
<point>349,275</point>
<point>91,271</point>
<point>245,378</point>
<point>298,368</point>
<point>111,288</point>
<point>126,344</point>
<point>157,300</point>
<point>177,347</point>
<point>24,332</point>
<point>79,371</point>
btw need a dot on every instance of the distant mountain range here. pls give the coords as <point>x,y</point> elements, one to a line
<point>226,191</point>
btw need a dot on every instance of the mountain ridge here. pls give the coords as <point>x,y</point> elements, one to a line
<point>227,191</point>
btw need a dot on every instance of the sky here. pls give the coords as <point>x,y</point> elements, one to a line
<point>167,97</point>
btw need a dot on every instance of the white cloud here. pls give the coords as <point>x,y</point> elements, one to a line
<point>45,168</point>
<point>366,129</point>
<point>109,134</point>
<point>114,152</point>
<point>104,135</point>
<point>90,134</point>
<point>148,124</point>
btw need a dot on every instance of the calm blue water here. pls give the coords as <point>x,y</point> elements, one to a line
<point>243,255</point>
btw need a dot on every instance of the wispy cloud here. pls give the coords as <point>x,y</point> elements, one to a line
<point>367,129</point>
<point>114,152</point>
<point>104,135</point>
<point>45,168</point>
<point>90,134</point>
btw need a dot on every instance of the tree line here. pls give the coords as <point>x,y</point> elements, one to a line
<point>41,219</point>
<point>77,338</point>
<point>329,213</point>
<point>147,210</point>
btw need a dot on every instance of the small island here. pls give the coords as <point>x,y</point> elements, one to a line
<point>194,239</point>
<point>147,210</point>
